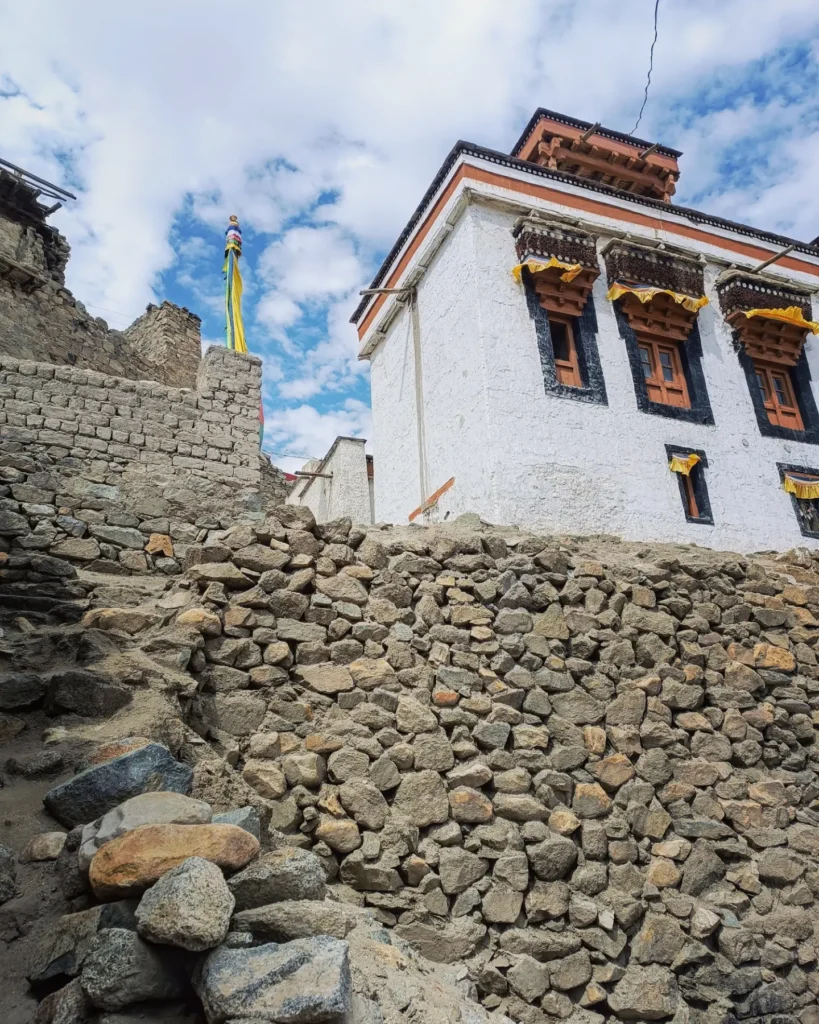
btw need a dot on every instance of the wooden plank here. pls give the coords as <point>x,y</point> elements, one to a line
<point>432,499</point>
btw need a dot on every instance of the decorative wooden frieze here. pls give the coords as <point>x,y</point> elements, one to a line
<point>775,338</point>
<point>541,241</point>
<point>668,288</point>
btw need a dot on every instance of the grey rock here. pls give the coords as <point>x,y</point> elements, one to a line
<point>528,978</point>
<point>67,1005</point>
<point>63,947</point>
<point>8,874</point>
<point>245,817</point>
<point>540,944</point>
<point>364,802</point>
<point>145,809</point>
<point>289,873</point>
<point>570,972</point>
<point>21,691</point>
<point>553,858</point>
<point>446,943</point>
<point>578,707</point>
<point>190,907</point>
<point>422,799</point>
<point>702,869</point>
<point>86,693</point>
<point>300,981</point>
<point>121,969</point>
<point>297,919</point>
<point>659,940</point>
<point>459,869</point>
<point>122,536</point>
<point>645,993</point>
<point>96,790</point>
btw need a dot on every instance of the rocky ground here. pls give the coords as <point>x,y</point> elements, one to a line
<point>329,773</point>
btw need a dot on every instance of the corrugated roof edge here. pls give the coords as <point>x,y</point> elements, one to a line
<point>608,133</point>
<point>461,147</point>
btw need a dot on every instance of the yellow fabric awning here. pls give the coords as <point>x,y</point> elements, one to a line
<point>645,293</point>
<point>534,265</point>
<point>791,315</point>
<point>683,463</point>
<point>801,485</point>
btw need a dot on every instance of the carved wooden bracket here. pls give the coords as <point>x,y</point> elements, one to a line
<point>771,340</point>
<point>632,264</point>
<point>543,239</point>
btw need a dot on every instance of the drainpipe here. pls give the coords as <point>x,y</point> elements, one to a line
<point>419,395</point>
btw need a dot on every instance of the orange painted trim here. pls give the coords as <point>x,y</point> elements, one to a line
<point>584,203</point>
<point>431,499</point>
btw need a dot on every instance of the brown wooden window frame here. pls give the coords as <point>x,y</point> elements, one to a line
<point>774,383</point>
<point>696,501</point>
<point>671,391</point>
<point>567,371</point>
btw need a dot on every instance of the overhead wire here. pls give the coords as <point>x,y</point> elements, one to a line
<point>650,69</point>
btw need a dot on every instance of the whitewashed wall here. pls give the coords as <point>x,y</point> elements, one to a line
<point>345,491</point>
<point>521,456</point>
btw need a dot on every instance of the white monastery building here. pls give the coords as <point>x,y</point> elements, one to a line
<point>554,344</point>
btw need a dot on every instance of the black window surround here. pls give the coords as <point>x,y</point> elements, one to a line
<point>800,379</point>
<point>698,482</point>
<point>593,388</point>
<point>785,467</point>
<point>691,360</point>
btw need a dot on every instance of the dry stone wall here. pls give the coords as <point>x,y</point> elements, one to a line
<point>585,771</point>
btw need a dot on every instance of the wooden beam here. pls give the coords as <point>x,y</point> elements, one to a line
<point>432,499</point>
<point>589,132</point>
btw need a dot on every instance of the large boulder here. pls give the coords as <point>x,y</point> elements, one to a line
<point>101,787</point>
<point>300,981</point>
<point>286,874</point>
<point>190,907</point>
<point>145,809</point>
<point>130,864</point>
<point>62,948</point>
<point>121,969</point>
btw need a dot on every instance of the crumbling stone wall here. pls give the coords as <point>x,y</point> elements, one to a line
<point>139,448</point>
<point>41,320</point>
<point>170,339</point>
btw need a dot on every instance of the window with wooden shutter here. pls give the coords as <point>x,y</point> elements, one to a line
<point>663,373</point>
<point>564,346</point>
<point>778,396</point>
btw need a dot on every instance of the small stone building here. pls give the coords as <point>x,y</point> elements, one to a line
<point>556,345</point>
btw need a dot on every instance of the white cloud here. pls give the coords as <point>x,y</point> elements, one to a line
<point>292,436</point>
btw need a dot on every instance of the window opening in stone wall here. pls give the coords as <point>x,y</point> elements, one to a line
<point>689,465</point>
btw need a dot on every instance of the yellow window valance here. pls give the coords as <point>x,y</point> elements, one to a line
<point>645,293</point>
<point>801,485</point>
<point>791,315</point>
<point>534,265</point>
<point>683,463</point>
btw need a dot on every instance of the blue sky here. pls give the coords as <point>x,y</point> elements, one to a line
<point>322,125</point>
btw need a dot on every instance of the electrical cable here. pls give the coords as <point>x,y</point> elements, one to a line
<point>650,69</point>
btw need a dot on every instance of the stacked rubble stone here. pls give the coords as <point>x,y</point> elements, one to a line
<point>592,782</point>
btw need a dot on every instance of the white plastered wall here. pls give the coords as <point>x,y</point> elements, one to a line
<point>344,490</point>
<point>522,456</point>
